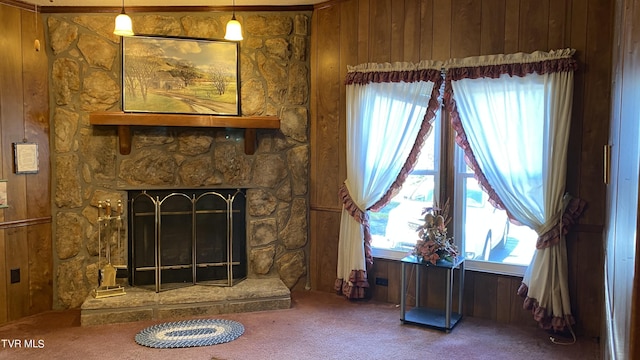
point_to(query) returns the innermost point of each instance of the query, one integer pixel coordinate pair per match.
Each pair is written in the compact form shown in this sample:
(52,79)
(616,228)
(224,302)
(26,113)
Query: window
(394,227)
(483,233)
(504,122)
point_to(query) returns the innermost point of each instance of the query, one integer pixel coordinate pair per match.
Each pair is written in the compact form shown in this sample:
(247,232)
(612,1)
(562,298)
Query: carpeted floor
(317,326)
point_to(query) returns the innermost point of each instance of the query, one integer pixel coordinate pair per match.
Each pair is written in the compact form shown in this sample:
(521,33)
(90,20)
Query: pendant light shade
(234,29)
(123,27)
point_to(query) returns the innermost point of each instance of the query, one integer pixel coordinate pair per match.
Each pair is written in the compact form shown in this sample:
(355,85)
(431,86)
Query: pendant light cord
(233,8)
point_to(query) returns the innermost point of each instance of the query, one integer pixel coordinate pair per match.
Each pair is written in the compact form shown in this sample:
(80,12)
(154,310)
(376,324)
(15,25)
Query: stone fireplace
(87,167)
(181,238)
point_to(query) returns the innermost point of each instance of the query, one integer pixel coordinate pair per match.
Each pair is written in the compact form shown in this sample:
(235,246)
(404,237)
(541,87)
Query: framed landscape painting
(180,75)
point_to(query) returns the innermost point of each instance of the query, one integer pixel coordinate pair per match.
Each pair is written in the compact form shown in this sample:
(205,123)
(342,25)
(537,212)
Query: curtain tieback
(350,205)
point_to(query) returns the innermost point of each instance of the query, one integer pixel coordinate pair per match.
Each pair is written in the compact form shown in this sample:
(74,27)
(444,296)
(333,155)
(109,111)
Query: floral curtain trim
(355,287)
(396,72)
(545,320)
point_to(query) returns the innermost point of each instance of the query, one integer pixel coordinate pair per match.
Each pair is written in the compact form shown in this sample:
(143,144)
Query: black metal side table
(435,318)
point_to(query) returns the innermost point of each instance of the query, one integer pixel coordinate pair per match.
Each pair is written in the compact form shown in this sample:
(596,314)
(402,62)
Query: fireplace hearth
(181,238)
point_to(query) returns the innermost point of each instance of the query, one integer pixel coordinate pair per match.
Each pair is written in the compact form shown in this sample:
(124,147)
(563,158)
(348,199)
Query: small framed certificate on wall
(25,158)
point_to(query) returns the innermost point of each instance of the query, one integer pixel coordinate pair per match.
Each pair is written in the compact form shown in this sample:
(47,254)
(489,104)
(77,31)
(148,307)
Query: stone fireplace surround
(84,69)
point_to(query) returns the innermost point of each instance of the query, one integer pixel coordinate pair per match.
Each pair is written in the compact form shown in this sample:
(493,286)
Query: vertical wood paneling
(17,255)
(363,31)
(557,28)
(11,114)
(314,172)
(597,91)
(380,270)
(315,167)
(328,111)
(38,196)
(441,16)
(397,32)
(393,289)
(503,299)
(40,268)
(465,28)
(511,26)
(578,42)
(380,31)
(327,253)
(426,30)
(493,25)
(4,275)
(534,25)
(588,290)
(36,114)
(484,296)
(411,26)
(468,306)
(23,74)
(348,42)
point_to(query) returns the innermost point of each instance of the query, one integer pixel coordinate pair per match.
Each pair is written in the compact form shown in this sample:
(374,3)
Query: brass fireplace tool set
(107,274)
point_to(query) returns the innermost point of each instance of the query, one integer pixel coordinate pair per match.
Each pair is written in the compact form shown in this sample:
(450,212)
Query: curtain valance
(394,72)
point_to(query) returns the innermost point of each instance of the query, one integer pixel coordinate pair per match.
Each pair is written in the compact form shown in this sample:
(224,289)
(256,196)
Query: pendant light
(123,27)
(234,29)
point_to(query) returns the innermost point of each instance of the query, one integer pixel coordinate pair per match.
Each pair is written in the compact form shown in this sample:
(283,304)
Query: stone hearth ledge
(199,300)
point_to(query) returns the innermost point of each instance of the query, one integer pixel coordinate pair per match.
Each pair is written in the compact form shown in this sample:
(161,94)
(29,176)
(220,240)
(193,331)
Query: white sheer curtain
(512,114)
(385,113)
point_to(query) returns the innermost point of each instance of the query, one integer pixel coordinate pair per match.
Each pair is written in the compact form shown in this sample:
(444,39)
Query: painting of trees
(180,75)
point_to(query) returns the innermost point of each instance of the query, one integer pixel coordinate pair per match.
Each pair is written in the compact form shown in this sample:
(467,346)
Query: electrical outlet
(15,275)
(382,281)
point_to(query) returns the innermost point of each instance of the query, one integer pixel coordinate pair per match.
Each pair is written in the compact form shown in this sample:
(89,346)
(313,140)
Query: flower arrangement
(434,243)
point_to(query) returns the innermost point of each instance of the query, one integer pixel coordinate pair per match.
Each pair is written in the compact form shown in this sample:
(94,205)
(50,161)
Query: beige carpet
(317,326)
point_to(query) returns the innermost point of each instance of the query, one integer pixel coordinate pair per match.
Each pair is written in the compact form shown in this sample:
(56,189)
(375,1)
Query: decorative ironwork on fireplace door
(188,237)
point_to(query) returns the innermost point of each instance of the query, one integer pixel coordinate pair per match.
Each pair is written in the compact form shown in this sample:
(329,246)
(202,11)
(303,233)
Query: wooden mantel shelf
(125,120)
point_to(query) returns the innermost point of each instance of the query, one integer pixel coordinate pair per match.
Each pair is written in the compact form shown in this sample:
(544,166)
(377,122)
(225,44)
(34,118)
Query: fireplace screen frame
(147,203)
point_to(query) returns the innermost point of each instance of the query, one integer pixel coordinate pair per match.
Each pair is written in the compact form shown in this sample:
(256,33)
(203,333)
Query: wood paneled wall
(351,32)
(25,226)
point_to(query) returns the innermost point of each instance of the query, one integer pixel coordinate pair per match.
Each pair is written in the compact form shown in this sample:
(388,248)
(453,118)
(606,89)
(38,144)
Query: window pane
(394,226)
(488,235)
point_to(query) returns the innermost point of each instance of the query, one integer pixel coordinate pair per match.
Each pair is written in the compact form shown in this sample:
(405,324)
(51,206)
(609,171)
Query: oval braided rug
(190,333)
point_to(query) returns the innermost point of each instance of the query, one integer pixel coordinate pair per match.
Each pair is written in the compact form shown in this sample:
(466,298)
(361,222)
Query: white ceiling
(137,3)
